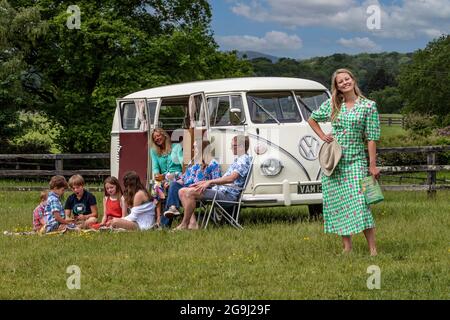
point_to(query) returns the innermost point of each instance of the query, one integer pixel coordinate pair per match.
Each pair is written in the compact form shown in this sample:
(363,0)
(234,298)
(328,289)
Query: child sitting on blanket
(38,213)
(55,218)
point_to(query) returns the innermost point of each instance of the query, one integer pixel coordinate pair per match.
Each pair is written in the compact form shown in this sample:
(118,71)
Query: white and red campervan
(273,112)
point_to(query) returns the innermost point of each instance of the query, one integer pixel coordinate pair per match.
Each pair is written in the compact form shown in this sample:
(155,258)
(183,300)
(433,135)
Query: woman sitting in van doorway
(167,160)
(353,117)
(201,167)
(142,214)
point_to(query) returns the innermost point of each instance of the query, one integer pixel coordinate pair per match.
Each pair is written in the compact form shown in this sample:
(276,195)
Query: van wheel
(315,210)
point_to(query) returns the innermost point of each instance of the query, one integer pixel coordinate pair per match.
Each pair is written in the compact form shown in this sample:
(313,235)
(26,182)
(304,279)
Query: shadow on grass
(276,215)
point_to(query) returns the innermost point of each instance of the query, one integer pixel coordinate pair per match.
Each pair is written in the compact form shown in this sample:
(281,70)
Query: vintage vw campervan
(273,112)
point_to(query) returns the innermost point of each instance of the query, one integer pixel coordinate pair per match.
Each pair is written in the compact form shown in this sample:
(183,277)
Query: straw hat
(329,156)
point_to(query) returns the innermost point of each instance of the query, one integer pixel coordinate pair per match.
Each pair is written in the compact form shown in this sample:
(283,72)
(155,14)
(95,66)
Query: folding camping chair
(216,209)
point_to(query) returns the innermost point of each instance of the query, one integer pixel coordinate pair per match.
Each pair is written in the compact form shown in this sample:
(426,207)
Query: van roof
(231,84)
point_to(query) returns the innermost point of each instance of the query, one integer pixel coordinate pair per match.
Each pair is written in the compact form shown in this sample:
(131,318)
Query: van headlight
(271,167)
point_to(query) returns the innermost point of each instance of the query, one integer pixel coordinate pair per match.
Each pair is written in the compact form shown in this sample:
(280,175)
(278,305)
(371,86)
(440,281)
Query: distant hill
(250,55)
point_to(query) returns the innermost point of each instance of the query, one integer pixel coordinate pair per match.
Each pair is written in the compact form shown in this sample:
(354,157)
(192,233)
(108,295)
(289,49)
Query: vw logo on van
(309,147)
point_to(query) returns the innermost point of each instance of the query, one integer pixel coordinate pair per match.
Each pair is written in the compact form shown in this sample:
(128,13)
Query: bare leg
(125,224)
(347,243)
(158,213)
(193,225)
(90,222)
(188,199)
(370,237)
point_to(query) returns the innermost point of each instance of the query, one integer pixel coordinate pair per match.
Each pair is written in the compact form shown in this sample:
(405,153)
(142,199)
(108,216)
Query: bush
(32,146)
(420,124)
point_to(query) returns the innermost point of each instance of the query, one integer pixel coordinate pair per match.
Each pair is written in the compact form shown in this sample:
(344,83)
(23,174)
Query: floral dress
(344,209)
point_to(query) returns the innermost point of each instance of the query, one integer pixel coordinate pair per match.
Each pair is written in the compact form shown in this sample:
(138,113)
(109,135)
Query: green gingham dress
(344,209)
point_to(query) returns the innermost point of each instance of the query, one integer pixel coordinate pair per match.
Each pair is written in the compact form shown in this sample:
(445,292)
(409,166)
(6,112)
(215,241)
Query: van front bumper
(285,198)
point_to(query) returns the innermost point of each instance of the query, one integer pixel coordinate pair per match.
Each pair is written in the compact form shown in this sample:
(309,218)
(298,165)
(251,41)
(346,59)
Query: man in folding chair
(235,176)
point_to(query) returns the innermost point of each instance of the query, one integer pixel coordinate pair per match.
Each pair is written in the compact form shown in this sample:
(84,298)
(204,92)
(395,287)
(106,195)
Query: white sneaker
(171,212)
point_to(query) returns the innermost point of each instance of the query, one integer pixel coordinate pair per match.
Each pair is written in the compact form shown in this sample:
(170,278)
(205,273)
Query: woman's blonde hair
(336,96)
(167,143)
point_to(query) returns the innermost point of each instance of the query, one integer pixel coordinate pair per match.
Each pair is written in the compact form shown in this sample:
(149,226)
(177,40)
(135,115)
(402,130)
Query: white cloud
(405,20)
(272,42)
(360,44)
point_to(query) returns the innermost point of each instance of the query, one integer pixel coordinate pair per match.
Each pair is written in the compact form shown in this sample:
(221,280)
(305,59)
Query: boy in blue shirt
(82,204)
(55,219)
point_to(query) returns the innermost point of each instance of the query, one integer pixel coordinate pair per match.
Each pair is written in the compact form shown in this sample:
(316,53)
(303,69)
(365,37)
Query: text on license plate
(309,188)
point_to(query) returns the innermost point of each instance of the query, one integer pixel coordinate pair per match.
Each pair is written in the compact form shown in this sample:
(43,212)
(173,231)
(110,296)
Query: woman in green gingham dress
(354,120)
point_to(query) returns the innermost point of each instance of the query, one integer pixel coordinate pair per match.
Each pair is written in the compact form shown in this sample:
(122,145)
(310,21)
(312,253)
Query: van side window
(219,109)
(310,101)
(133,116)
(273,107)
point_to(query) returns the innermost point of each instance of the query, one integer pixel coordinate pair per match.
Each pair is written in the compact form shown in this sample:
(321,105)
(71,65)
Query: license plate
(309,188)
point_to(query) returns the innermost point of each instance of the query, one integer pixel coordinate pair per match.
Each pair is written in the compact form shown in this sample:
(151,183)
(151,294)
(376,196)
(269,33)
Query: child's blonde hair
(76,180)
(43,196)
(57,182)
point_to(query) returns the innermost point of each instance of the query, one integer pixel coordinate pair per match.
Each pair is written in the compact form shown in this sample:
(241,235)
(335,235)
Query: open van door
(198,125)
(135,126)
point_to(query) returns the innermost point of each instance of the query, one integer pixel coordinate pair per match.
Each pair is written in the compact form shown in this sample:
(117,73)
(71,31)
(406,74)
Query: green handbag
(371,190)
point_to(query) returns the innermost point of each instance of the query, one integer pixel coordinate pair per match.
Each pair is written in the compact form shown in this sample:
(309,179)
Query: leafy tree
(370,69)
(19,31)
(425,83)
(379,80)
(120,47)
(388,100)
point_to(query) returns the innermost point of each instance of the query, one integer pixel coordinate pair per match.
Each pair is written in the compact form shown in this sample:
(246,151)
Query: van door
(135,125)
(227,118)
(198,125)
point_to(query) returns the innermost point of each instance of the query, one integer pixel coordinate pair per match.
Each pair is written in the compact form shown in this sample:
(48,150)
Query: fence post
(389,121)
(58,164)
(431,175)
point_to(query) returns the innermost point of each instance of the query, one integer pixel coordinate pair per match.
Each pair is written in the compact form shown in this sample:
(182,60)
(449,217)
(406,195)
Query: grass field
(279,255)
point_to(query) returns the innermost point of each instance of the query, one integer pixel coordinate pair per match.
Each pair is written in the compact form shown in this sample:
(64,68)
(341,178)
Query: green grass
(391,131)
(279,255)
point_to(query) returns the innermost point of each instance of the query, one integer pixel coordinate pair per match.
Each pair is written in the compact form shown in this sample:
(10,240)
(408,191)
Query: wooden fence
(392,121)
(24,160)
(58,167)
(431,168)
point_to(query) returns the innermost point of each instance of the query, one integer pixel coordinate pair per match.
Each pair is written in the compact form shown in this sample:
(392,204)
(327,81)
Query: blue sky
(306,28)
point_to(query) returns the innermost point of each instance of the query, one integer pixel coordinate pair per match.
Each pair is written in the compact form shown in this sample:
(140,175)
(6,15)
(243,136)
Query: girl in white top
(142,215)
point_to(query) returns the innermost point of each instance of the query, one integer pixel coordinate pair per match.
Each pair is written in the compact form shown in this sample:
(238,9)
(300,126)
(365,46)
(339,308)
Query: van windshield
(273,107)
(310,101)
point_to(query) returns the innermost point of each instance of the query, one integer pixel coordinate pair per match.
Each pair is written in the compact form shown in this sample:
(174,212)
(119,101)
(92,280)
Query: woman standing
(354,120)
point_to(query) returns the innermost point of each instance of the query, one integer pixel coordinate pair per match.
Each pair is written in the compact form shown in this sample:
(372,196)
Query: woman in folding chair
(201,167)
(235,175)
